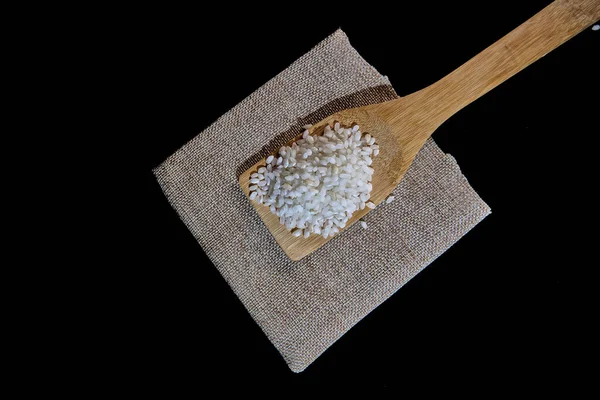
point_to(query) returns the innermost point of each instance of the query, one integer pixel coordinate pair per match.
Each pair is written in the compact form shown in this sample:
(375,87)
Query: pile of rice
(317,183)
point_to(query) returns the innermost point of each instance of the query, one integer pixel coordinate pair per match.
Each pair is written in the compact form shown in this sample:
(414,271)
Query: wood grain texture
(402,126)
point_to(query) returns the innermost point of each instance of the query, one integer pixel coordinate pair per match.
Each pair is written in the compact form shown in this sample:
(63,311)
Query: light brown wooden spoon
(402,126)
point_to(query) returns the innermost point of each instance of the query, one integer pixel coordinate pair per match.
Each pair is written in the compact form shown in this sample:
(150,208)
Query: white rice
(316,184)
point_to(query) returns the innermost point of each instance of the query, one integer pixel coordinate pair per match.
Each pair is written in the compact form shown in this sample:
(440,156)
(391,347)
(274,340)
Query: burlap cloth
(304,307)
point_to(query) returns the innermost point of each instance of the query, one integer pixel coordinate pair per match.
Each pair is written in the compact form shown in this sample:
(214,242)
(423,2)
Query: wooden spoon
(402,126)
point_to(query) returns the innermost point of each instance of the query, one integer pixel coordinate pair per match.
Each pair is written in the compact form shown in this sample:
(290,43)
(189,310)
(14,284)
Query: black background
(494,309)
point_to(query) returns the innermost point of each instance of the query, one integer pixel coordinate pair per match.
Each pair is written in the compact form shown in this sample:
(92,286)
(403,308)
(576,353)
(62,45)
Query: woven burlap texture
(304,307)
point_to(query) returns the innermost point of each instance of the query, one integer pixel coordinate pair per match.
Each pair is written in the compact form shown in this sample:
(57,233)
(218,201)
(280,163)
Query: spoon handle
(536,37)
